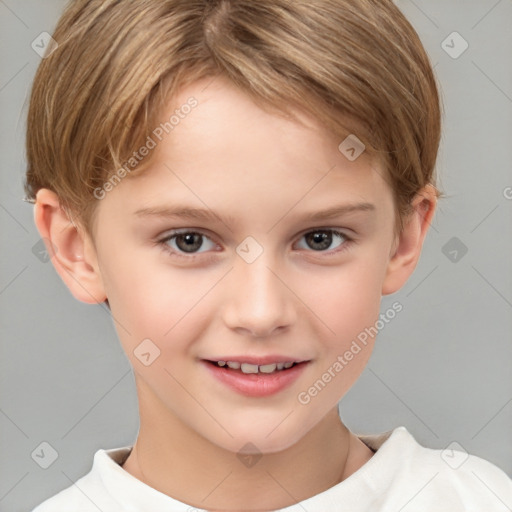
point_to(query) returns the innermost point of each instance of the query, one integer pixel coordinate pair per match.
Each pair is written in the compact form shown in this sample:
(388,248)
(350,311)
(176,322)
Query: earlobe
(69,248)
(410,242)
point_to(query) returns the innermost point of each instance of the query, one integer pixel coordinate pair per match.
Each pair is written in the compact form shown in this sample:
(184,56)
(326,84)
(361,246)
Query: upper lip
(261,360)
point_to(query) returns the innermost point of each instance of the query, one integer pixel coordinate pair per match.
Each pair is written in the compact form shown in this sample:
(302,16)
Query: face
(264,278)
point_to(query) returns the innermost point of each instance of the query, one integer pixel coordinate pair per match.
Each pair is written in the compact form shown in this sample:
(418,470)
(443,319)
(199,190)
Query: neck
(175,460)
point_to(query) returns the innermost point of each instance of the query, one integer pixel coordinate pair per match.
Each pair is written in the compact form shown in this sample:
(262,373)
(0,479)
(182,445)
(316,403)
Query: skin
(297,298)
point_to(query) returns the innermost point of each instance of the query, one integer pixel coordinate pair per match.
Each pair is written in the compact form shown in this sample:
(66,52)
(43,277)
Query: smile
(255,380)
(254,368)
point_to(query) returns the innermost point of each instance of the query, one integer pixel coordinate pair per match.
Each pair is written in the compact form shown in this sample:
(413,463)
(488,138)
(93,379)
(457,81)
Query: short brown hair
(357,66)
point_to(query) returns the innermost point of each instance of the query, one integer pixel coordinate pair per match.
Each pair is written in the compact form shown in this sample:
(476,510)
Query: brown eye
(321,240)
(186,242)
(189,242)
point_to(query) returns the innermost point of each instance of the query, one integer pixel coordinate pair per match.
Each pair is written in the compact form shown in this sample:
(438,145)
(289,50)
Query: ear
(407,247)
(70,249)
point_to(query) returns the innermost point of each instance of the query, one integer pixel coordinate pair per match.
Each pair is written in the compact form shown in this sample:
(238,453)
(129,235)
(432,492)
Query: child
(294,143)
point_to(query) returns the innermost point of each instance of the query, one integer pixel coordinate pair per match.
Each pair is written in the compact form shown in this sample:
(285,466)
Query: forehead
(227,122)
(228,155)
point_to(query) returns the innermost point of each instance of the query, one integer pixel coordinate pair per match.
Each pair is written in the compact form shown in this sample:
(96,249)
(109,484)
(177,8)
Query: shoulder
(451,479)
(89,493)
(79,497)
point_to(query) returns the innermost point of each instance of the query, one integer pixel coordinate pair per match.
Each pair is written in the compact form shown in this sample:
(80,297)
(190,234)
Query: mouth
(248,368)
(256,380)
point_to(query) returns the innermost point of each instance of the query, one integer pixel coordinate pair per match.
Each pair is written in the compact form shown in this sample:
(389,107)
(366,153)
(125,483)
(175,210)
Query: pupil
(191,242)
(324,239)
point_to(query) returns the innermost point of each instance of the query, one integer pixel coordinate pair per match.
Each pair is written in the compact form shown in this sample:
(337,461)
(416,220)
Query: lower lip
(257,384)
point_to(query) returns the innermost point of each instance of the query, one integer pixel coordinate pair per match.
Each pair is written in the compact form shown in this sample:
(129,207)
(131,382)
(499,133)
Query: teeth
(254,368)
(249,368)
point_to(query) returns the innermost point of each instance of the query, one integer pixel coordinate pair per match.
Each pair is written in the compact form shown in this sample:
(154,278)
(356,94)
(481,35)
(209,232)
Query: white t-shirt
(401,476)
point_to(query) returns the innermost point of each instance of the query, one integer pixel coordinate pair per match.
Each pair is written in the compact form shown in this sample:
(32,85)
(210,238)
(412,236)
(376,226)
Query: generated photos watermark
(343,360)
(157,135)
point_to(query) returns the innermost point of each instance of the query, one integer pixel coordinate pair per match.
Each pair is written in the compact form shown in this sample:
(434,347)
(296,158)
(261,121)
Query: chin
(248,438)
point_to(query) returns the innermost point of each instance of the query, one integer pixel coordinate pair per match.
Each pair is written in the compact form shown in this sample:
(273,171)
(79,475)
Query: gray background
(441,367)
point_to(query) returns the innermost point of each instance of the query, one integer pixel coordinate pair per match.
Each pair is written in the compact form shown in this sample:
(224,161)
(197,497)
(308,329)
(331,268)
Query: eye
(185,242)
(321,239)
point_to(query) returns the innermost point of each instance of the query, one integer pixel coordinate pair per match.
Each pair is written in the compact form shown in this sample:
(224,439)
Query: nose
(259,300)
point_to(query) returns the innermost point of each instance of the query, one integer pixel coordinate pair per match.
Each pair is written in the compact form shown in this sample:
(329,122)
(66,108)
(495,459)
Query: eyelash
(191,256)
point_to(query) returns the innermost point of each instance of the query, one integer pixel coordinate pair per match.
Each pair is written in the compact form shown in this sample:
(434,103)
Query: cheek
(157,301)
(347,299)
(348,305)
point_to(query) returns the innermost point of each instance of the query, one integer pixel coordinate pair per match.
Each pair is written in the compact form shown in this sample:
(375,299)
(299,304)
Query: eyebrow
(204,214)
